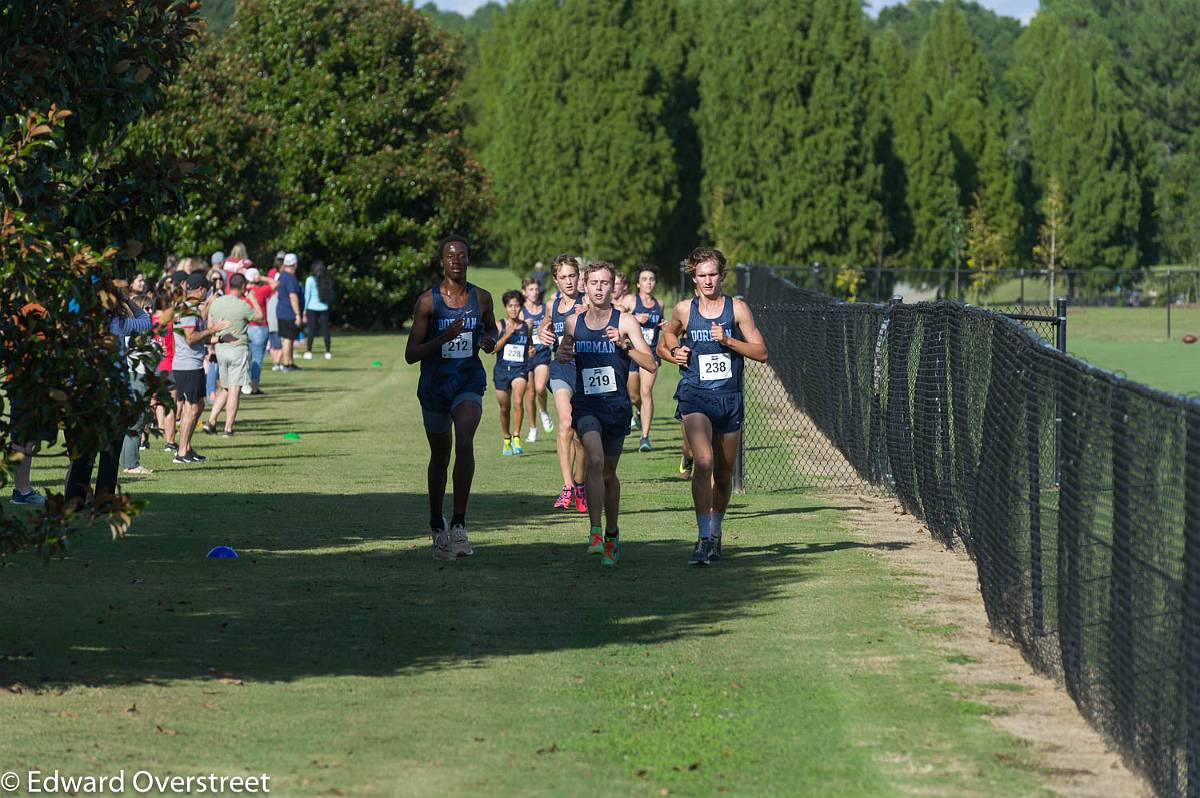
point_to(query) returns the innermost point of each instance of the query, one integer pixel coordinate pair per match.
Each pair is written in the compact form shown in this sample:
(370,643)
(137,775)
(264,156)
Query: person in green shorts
(233,354)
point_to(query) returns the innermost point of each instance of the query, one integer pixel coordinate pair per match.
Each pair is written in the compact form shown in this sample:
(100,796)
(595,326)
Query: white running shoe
(441,543)
(459,545)
(247,390)
(329,355)
(547,424)
(532,436)
(308,355)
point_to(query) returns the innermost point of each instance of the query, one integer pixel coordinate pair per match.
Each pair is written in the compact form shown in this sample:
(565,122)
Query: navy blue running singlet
(711,366)
(456,369)
(601,369)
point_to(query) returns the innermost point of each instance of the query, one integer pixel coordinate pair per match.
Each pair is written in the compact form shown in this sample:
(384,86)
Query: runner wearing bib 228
(708,336)
(603,340)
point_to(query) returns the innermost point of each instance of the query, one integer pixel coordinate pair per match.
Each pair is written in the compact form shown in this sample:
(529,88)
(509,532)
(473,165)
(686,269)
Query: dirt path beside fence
(1071,757)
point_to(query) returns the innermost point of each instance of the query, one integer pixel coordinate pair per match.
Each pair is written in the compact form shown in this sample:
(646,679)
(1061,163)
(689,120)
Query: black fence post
(1170,301)
(1060,323)
(742,275)
(1189,637)
(816,277)
(683,292)
(1021,302)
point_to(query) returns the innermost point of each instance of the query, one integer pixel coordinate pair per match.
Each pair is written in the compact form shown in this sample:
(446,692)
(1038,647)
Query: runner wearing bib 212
(708,337)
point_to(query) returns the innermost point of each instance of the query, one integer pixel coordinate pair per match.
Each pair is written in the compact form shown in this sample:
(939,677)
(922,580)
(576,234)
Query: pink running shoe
(580,499)
(563,502)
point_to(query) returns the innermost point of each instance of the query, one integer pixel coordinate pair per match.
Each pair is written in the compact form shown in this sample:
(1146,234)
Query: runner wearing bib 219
(709,336)
(603,341)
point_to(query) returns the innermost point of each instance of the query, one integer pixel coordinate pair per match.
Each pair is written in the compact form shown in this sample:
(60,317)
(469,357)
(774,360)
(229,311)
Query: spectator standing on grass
(238,260)
(216,288)
(318,296)
(129,319)
(289,310)
(258,333)
(539,276)
(274,345)
(233,354)
(163,316)
(191,346)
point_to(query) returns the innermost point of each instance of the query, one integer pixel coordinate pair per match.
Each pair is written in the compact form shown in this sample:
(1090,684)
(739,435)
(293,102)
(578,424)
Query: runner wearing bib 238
(603,341)
(708,336)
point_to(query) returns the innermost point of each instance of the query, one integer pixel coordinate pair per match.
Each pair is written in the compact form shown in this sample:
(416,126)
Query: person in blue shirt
(318,296)
(708,336)
(289,312)
(451,322)
(602,341)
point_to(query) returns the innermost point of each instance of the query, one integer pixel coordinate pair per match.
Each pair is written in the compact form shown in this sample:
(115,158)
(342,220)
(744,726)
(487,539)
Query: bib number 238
(458,347)
(599,380)
(715,367)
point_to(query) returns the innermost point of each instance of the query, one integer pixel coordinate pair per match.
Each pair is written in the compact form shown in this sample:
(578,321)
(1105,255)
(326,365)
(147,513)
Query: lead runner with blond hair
(708,336)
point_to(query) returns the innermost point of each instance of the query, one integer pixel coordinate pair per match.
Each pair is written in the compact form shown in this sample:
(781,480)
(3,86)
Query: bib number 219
(599,380)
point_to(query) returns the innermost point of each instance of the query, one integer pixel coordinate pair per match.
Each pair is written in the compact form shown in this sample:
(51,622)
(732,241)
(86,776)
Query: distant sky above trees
(1021,9)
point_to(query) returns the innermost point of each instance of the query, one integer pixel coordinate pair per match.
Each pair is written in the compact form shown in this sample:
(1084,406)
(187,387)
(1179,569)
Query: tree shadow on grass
(331,585)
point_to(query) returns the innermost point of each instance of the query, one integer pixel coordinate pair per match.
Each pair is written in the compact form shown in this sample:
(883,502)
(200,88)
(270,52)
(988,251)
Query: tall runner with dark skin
(709,336)
(451,322)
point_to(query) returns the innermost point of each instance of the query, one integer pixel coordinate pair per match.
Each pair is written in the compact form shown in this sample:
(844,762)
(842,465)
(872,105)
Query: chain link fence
(1076,492)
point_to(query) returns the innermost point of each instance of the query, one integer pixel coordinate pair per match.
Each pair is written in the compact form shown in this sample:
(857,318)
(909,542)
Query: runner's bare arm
(505,333)
(566,347)
(752,345)
(545,335)
(671,330)
(488,342)
(639,350)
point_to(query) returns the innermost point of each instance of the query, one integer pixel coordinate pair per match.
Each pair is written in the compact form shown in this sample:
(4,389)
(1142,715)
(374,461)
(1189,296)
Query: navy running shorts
(724,410)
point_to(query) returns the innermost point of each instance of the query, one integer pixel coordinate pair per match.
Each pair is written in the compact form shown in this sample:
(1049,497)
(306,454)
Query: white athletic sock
(703,522)
(715,525)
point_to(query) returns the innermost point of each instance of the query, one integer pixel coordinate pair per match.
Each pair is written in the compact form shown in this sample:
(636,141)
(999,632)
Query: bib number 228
(458,347)
(599,380)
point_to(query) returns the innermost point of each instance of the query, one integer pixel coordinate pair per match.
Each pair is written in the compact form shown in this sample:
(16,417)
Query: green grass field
(1134,343)
(338,657)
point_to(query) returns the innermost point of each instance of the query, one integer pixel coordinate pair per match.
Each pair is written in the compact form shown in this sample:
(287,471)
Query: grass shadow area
(342,592)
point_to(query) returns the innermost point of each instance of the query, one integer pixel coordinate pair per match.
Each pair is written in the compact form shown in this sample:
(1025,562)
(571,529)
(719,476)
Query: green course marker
(376,363)
(291,436)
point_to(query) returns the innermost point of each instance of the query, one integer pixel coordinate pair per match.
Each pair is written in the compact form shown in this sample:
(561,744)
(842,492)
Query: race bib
(458,347)
(715,367)
(599,381)
(648,334)
(514,353)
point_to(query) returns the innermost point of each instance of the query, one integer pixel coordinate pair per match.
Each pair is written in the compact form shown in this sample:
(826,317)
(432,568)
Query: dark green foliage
(1083,134)
(910,21)
(76,200)
(329,129)
(584,131)
(788,131)
(218,14)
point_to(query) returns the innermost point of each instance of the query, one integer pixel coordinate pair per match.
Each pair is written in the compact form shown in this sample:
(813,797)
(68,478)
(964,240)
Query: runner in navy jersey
(514,348)
(603,340)
(451,322)
(649,313)
(533,311)
(708,336)
(565,304)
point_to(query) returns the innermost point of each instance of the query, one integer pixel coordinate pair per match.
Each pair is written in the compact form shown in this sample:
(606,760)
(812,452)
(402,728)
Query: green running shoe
(612,551)
(595,544)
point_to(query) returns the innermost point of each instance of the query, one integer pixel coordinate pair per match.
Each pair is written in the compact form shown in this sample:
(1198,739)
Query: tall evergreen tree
(893,232)
(788,130)
(583,154)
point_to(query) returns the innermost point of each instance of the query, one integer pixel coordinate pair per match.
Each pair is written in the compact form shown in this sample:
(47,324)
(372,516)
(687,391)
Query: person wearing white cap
(258,331)
(289,311)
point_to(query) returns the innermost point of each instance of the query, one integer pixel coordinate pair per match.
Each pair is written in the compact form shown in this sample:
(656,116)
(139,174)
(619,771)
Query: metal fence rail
(1076,492)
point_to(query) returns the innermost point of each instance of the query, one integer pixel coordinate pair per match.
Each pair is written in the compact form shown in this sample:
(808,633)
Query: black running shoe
(170,447)
(180,459)
(702,554)
(195,457)
(714,555)
(209,429)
